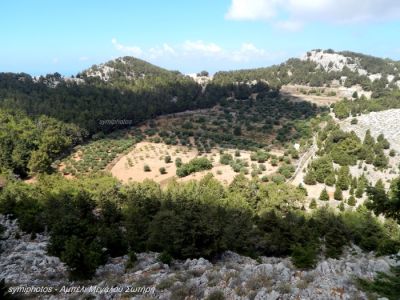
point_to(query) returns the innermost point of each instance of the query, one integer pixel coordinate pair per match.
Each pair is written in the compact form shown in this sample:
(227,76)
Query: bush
(216,295)
(178,162)
(146,168)
(195,165)
(277,178)
(237,131)
(309,179)
(132,259)
(330,180)
(385,284)
(351,201)
(261,156)
(313,204)
(167,159)
(338,194)
(225,159)
(324,195)
(286,170)
(82,257)
(304,256)
(165,258)
(163,170)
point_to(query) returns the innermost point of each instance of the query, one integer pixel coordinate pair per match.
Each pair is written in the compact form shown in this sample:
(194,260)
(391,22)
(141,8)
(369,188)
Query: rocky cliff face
(332,61)
(24,262)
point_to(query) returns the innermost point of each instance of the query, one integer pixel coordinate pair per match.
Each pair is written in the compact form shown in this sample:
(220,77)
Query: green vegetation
(387,204)
(125,101)
(225,158)
(193,219)
(195,165)
(324,195)
(362,105)
(96,155)
(260,121)
(306,72)
(346,149)
(94,217)
(29,145)
(386,285)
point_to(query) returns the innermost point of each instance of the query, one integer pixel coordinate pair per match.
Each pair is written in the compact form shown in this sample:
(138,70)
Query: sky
(68,36)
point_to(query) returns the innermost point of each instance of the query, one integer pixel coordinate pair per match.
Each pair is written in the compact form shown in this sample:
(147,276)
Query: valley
(267,183)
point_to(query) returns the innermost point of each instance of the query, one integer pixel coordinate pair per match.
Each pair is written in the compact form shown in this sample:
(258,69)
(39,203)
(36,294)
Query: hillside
(232,187)
(125,68)
(326,68)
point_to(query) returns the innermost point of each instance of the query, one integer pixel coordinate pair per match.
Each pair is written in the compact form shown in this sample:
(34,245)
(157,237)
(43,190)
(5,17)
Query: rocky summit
(24,262)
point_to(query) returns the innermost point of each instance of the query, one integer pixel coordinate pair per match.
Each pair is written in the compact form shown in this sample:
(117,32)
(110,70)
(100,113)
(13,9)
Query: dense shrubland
(347,108)
(241,124)
(96,155)
(89,105)
(337,151)
(305,72)
(95,217)
(346,148)
(195,165)
(77,111)
(386,204)
(31,144)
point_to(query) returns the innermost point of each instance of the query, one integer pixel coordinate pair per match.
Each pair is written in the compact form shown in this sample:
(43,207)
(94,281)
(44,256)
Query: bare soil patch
(131,166)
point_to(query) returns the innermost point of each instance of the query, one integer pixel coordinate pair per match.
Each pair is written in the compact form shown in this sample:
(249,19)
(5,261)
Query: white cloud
(290,14)
(131,50)
(251,9)
(201,47)
(83,58)
(199,51)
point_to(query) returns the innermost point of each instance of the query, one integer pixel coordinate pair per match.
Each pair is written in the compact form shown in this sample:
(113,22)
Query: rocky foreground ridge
(24,262)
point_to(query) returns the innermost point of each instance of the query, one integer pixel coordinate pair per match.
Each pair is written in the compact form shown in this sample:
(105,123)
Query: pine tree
(369,140)
(344,178)
(324,195)
(310,179)
(354,183)
(359,191)
(313,204)
(351,201)
(380,161)
(338,195)
(330,180)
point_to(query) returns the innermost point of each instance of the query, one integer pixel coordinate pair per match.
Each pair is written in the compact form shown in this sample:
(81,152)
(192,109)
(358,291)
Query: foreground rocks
(24,262)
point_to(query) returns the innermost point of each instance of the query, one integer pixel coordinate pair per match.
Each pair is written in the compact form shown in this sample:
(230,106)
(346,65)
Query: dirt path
(303,161)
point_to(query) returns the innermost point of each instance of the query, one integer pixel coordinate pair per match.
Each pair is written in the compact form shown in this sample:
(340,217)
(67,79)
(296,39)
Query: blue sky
(44,36)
